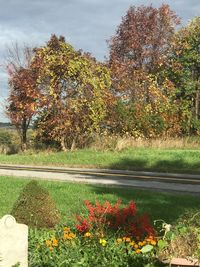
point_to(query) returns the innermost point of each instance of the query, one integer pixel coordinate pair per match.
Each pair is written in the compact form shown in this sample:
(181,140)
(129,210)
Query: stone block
(13,242)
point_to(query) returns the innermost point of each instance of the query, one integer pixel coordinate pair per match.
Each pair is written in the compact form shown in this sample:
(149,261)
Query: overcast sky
(86,24)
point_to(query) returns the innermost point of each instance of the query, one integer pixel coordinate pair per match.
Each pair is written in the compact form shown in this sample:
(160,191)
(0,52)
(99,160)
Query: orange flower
(66,229)
(69,236)
(137,251)
(54,242)
(65,236)
(126,239)
(153,242)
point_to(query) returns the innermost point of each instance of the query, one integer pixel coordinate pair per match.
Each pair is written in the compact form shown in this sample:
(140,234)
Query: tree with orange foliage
(23,95)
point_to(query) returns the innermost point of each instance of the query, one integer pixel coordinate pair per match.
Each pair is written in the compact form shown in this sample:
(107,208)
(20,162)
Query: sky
(86,24)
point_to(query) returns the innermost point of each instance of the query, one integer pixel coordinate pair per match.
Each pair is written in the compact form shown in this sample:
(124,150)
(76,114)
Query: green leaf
(146,248)
(183,230)
(162,244)
(170,235)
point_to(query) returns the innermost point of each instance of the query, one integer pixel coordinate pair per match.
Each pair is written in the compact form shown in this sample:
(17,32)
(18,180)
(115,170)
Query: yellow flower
(140,244)
(119,240)
(100,234)
(88,234)
(132,243)
(48,243)
(102,242)
(51,248)
(72,235)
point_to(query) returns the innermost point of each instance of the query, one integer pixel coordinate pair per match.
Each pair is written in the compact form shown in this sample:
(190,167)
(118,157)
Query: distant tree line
(149,87)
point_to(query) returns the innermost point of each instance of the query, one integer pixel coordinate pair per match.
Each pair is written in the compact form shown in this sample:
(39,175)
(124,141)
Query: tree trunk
(197,105)
(24,136)
(73,144)
(62,143)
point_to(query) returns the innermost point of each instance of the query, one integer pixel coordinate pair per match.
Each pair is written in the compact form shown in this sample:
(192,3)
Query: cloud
(86,24)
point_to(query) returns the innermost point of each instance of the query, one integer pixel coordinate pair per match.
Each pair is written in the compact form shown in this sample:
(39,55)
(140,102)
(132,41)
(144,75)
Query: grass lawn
(149,159)
(69,198)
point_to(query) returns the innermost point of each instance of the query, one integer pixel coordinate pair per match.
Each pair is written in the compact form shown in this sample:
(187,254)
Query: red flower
(112,216)
(84,226)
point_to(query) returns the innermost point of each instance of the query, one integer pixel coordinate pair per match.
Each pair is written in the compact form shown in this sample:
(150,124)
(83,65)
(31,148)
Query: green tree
(185,64)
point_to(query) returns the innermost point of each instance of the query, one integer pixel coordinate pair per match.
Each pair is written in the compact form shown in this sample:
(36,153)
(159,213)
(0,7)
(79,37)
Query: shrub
(5,138)
(8,142)
(112,217)
(35,207)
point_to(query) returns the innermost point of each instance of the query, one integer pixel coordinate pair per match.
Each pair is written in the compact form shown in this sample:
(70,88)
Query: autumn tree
(139,47)
(74,87)
(23,93)
(138,58)
(184,67)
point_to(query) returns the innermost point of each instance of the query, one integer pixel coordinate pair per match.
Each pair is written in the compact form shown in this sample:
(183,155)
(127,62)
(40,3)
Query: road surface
(146,180)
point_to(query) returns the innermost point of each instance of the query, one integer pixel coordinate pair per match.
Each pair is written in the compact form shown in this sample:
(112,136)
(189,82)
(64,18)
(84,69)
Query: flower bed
(107,235)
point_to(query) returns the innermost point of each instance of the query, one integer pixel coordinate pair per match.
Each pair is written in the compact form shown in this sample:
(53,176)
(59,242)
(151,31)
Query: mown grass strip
(146,159)
(69,198)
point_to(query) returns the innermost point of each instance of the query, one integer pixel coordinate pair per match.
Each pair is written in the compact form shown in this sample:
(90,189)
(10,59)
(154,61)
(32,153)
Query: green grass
(69,198)
(149,159)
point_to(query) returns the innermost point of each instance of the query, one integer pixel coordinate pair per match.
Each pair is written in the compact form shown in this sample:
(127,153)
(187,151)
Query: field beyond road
(140,159)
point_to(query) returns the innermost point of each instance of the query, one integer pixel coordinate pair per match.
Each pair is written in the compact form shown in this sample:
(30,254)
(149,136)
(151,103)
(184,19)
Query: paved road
(146,180)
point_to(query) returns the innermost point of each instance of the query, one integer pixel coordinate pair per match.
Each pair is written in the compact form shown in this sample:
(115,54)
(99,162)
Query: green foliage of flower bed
(181,240)
(107,236)
(85,251)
